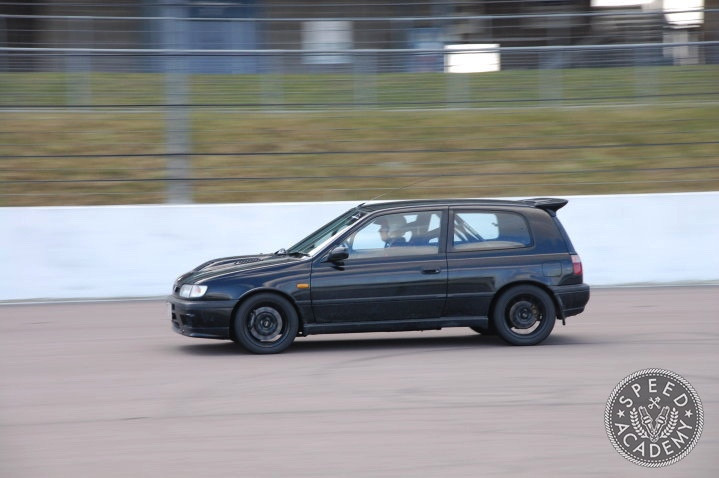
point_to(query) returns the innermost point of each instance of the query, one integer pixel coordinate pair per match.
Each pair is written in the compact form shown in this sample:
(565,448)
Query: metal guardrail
(358,51)
(403,18)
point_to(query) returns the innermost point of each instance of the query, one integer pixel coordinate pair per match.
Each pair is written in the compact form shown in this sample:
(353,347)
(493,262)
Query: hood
(231,265)
(225,262)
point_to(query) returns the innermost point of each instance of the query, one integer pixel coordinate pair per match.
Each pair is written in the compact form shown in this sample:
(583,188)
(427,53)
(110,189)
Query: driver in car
(392,229)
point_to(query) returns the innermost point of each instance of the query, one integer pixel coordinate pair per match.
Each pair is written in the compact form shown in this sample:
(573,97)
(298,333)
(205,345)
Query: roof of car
(549,204)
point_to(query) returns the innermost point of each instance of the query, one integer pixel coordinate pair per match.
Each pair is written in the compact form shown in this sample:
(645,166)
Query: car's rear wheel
(266,324)
(524,315)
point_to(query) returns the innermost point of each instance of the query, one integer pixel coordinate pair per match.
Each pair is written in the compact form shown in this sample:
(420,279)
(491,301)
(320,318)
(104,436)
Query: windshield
(311,244)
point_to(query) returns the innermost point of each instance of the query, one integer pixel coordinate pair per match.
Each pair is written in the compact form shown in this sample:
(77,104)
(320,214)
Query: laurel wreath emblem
(654,428)
(672,424)
(636,424)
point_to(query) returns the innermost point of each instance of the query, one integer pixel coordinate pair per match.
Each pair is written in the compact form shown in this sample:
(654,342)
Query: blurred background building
(367,25)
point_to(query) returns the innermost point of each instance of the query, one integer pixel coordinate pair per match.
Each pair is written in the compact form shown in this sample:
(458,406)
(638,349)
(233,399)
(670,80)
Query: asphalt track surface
(108,390)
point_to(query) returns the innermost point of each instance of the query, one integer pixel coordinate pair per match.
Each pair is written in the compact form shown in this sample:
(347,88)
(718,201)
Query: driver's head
(391,227)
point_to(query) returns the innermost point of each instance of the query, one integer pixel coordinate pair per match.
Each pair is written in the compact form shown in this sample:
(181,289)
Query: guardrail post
(365,79)
(271,78)
(78,66)
(551,91)
(177,118)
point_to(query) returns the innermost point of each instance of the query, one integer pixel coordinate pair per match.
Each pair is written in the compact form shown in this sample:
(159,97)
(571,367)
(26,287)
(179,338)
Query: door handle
(430,271)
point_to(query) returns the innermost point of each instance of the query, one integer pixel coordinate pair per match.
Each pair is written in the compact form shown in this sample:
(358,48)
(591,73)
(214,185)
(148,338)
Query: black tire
(524,315)
(266,323)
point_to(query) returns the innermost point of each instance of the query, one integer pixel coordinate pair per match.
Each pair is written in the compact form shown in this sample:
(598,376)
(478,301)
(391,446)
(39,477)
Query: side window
(489,230)
(397,235)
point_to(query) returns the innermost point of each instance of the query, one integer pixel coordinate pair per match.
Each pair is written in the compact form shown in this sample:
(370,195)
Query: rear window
(485,230)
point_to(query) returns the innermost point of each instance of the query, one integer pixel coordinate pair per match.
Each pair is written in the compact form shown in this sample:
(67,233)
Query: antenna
(400,189)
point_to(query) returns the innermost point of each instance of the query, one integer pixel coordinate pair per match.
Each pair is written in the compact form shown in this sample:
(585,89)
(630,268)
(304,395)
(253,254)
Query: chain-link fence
(143,102)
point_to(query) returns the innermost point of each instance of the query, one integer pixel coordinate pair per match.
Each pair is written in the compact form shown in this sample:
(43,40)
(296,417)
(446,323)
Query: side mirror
(338,254)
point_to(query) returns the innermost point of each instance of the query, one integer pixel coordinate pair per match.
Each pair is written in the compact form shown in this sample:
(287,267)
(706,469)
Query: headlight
(192,291)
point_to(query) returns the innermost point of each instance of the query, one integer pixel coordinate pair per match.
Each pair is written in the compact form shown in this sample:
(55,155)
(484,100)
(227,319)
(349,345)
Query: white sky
(618,3)
(691,18)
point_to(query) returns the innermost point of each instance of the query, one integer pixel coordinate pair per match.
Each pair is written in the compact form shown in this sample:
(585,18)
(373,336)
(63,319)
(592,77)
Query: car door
(396,270)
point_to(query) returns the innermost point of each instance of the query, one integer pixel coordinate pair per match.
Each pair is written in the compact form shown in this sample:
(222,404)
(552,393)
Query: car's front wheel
(524,315)
(266,324)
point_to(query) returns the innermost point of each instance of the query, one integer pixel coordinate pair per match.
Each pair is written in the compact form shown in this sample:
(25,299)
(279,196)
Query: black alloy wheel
(266,324)
(524,315)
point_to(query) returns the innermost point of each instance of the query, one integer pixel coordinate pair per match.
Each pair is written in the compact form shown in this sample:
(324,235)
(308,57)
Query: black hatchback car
(504,267)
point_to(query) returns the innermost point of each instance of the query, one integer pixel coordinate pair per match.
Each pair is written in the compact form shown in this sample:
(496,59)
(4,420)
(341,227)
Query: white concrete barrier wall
(138,251)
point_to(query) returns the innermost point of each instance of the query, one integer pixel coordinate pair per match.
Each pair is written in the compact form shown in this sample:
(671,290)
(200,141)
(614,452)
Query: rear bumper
(203,319)
(571,298)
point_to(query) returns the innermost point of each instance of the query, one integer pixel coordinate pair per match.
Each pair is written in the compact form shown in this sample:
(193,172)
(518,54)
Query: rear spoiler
(551,205)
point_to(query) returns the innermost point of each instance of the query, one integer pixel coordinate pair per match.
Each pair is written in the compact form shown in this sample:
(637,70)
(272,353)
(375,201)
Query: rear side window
(485,230)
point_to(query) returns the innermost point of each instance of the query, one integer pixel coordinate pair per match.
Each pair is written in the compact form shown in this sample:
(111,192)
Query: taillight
(576,265)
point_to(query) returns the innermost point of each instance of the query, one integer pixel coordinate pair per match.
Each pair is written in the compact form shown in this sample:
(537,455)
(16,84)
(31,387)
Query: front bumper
(209,319)
(572,299)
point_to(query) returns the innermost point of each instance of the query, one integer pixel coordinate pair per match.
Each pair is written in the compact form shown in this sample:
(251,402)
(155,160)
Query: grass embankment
(258,151)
